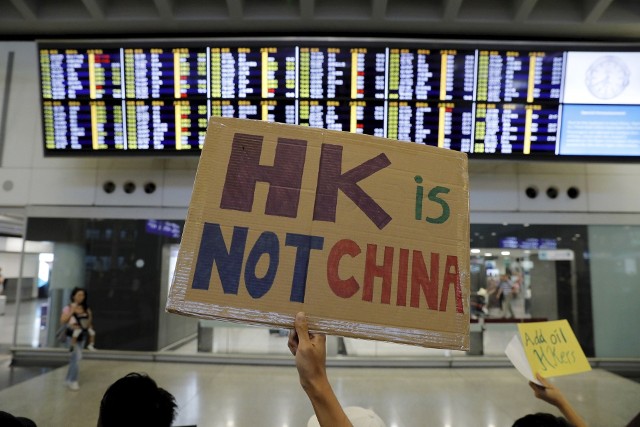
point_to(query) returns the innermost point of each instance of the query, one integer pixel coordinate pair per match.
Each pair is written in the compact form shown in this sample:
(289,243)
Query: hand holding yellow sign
(552,348)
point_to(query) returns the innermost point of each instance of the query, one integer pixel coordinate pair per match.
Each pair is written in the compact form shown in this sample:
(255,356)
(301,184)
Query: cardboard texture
(368,236)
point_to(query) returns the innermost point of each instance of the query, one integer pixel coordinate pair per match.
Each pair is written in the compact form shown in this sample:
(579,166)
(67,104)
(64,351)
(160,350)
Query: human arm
(67,313)
(551,394)
(310,352)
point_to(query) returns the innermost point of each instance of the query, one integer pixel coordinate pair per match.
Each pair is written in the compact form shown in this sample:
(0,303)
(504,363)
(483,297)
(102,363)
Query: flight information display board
(76,74)
(441,124)
(427,75)
(83,126)
(511,76)
(495,100)
(515,128)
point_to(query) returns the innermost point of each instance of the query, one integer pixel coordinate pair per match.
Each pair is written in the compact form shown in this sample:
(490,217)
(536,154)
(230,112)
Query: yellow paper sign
(552,348)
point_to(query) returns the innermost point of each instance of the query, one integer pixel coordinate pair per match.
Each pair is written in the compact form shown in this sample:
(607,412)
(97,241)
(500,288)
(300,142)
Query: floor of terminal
(238,396)
(227,395)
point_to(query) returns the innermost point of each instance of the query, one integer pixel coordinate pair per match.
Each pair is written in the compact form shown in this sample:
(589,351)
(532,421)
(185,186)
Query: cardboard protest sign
(368,236)
(550,348)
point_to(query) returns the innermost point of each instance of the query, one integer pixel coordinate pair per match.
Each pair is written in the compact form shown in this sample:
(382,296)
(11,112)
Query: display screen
(489,100)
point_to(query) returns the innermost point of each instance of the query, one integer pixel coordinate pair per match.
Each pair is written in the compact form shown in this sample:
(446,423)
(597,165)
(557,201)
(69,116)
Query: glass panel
(126,268)
(120,265)
(12,288)
(548,268)
(615,261)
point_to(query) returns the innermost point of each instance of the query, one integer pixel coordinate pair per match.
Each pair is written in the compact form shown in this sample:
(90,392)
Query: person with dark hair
(8,420)
(1,282)
(81,320)
(541,419)
(135,400)
(551,394)
(78,318)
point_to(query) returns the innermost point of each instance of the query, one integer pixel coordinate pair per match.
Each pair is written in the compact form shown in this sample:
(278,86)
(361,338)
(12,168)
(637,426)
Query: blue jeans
(76,357)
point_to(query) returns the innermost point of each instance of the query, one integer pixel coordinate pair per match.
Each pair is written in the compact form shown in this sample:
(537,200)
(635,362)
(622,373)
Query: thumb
(302,329)
(542,380)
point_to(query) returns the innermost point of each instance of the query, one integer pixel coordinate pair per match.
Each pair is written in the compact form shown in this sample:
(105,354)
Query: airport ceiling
(591,20)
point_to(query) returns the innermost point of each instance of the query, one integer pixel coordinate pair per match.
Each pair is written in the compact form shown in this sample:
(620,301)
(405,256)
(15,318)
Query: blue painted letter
(213,250)
(267,243)
(304,244)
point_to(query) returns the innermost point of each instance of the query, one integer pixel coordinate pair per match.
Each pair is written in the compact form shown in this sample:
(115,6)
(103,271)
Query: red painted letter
(372,270)
(348,287)
(420,279)
(451,277)
(403,268)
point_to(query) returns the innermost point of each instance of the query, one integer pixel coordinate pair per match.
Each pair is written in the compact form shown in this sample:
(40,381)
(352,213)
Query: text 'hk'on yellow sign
(552,348)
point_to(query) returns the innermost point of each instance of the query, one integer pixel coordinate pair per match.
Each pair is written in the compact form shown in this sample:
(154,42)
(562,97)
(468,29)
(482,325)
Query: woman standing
(1,282)
(78,318)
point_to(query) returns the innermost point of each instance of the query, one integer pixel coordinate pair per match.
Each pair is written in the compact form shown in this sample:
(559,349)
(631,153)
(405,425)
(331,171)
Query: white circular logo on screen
(607,77)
